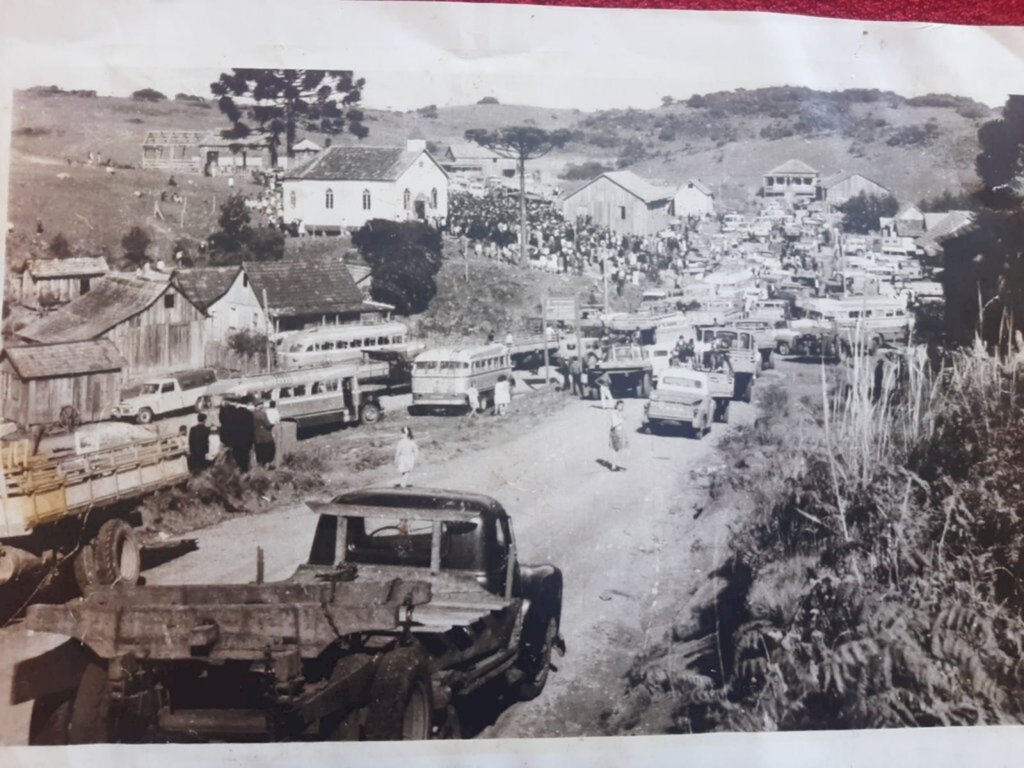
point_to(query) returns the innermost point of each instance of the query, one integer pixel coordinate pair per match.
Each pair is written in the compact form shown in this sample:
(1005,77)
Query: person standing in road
(263,434)
(198,445)
(502,396)
(406,453)
(576,376)
(473,399)
(604,383)
(617,436)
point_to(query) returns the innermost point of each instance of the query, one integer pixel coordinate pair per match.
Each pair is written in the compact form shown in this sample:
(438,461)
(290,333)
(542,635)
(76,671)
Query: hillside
(917,147)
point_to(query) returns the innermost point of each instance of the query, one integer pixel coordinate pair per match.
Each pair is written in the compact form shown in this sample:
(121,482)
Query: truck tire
(537,664)
(783,348)
(89,721)
(369,413)
(145,416)
(401,698)
(117,554)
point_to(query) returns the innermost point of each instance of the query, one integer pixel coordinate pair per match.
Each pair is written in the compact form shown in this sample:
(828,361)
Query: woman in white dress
(406,453)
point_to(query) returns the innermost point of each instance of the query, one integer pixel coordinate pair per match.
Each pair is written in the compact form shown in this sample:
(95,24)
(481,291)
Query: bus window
(286,392)
(300,390)
(332,385)
(382,341)
(318,387)
(342,345)
(328,345)
(356,343)
(396,339)
(426,365)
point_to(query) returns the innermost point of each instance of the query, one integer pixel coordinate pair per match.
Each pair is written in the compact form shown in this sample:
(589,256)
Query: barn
(147,317)
(837,189)
(38,382)
(621,201)
(47,283)
(205,151)
(227,297)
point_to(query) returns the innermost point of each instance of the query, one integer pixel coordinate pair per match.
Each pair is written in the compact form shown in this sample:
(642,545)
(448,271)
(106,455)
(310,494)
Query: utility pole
(604,274)
(267,313)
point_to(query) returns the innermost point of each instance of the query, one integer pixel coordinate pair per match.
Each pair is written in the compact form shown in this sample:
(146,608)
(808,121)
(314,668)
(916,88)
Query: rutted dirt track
(629,543)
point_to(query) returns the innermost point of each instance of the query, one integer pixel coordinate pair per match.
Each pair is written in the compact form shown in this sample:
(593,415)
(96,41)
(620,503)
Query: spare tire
(401,698)
(117,554)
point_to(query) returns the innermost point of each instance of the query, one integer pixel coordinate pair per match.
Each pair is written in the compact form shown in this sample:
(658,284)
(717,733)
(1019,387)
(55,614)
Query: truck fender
(542,586)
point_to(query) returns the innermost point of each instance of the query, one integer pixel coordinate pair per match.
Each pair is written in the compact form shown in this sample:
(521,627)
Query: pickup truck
(169,394)
(411,599)
(682,398)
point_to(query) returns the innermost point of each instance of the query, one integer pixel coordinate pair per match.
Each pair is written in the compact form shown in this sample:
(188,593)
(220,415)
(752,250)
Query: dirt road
(624,541)
(627,542)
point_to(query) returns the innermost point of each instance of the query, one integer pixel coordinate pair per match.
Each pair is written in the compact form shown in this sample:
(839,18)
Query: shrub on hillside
(148,94)
(914,135)
(583,171)
(488,100)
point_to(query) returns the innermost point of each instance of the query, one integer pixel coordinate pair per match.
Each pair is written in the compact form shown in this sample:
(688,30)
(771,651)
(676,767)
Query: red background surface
(944,11)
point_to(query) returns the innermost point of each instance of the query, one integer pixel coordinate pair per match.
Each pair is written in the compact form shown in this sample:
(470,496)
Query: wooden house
(794,179)
(471,159)
(694,198)
(39,381)
(227,297)
(147,317)
(204,151)
(623,202)
(307,292)
(47,283)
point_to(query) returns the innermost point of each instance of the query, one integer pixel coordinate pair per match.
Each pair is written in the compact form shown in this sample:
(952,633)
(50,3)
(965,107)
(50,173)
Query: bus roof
(264,381)
(463,354)
(346,331)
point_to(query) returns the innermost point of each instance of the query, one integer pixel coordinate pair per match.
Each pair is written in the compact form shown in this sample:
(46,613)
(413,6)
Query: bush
(583,171)
(148,94)
(135,245)
(59,247)
(248,343)
(914,135)
(488,100)
(189,98)
(429,111)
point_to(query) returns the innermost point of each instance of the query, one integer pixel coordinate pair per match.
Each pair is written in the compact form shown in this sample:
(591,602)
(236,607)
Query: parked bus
(342,393)
(440,377)
(339,343)
(875,320)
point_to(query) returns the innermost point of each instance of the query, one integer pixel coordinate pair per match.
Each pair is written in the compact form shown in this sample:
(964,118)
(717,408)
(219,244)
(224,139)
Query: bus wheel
(369,413)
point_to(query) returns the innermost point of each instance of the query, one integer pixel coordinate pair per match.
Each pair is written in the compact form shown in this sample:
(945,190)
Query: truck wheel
(783,348)
(117,555)
(369,413)
(696,431)
(89,721)
(538,663)
(145,416)
(401,698)
(451,728)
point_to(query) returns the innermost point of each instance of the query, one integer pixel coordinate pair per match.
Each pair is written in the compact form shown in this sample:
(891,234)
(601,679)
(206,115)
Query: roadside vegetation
(877,581)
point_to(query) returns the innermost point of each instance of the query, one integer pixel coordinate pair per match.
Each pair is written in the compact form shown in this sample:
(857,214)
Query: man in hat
(263,435)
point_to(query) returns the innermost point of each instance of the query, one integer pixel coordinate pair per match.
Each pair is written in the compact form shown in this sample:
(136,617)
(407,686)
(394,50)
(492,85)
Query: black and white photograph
(433,371)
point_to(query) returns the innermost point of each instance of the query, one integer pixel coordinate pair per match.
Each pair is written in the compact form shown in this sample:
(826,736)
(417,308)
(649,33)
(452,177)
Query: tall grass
(883,583)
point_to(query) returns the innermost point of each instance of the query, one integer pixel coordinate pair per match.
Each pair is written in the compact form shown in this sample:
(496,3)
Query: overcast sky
(413,54)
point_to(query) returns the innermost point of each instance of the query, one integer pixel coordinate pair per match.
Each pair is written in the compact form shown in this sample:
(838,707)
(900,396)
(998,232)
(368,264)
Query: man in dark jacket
(263,434)
(198,445)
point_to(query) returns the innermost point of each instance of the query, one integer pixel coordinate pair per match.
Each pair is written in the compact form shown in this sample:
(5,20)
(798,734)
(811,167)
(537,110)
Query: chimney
(415,145)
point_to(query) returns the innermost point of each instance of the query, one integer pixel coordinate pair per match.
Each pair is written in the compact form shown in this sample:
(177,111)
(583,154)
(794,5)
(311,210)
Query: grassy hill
(918,147)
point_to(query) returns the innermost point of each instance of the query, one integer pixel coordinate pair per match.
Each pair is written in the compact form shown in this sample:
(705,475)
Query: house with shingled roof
(622,201)
(344,187)
(842,186)
(228,298)
(39,381)
(694,198)
(471,159)
(793,179)
(154,326)
(48,283)
(307,292)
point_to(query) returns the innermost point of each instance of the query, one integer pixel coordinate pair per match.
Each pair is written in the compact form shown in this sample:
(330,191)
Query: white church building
(344,187)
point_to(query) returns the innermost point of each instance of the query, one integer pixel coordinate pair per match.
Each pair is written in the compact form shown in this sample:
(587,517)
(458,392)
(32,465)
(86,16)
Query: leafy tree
(861,213)
(59,247)
(280,101)
(234,229)
(1000,164)
(135,245)
(404,258)
(488,100)
(633,152)
(265,244)
(667,101)
(148,94)
(247,343)
(521,143)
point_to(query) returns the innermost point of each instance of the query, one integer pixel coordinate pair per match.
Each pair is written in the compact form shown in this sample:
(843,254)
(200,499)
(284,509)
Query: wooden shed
(38,381)
(623,202)
(147,317)
(48,283)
